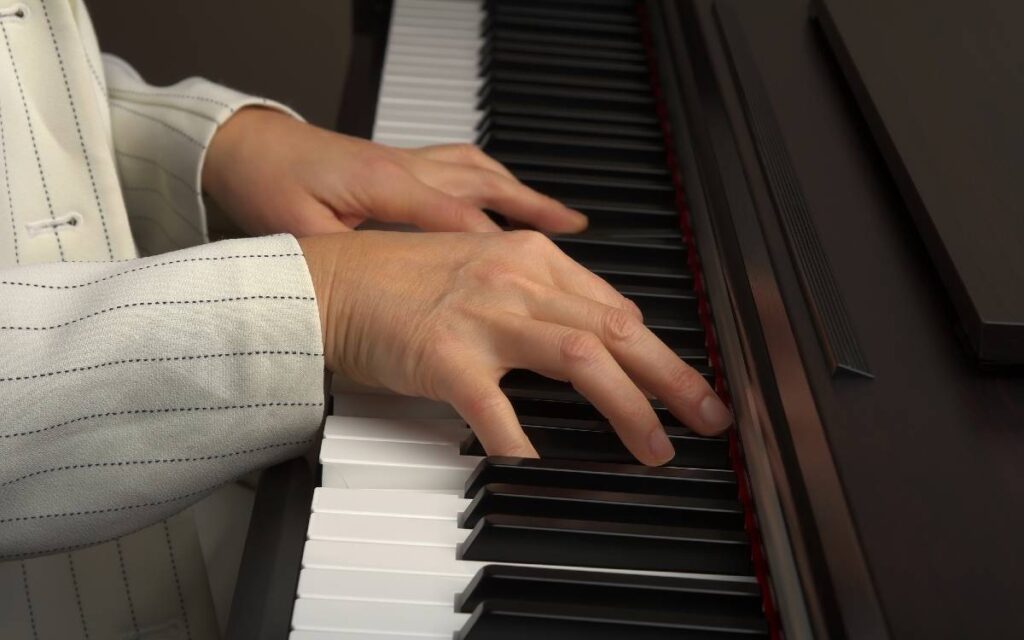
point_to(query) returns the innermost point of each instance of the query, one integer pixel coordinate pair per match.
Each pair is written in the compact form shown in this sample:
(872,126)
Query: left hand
(272,173)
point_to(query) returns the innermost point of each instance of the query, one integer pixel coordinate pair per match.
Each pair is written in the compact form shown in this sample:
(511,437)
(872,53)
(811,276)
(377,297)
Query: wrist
(320,254)
(227,147)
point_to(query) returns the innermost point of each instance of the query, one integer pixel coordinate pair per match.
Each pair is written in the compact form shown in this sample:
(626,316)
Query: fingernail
(582,221)
(661,449)
(715,414)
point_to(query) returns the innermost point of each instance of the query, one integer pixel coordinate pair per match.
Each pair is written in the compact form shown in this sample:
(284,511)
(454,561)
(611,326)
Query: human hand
(272,173)
(446,315)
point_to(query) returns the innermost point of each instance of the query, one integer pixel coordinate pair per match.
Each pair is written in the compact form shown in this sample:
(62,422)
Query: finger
(581,358)
(413,202)
(467,154)
(481,403)
(513,199)
(651,363)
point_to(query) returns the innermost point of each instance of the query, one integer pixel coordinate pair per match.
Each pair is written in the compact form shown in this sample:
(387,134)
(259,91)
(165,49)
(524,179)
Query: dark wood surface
(941,85)
(929,452)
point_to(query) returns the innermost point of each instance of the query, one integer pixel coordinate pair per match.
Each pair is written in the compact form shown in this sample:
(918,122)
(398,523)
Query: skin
(446,315)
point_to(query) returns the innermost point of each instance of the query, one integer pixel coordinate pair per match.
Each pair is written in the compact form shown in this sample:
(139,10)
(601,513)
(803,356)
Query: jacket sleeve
(129,390)
(160,136)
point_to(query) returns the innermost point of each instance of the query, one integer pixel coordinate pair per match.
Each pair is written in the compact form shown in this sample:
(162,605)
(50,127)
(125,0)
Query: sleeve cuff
(161,135)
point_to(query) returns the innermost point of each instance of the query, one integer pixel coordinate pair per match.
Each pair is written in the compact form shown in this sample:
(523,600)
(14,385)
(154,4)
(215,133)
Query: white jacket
(129,388)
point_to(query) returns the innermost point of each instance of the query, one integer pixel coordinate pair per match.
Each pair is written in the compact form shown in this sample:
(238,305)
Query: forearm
(129,390)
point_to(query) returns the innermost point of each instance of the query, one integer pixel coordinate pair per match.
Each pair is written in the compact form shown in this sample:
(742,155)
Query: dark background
(294,52)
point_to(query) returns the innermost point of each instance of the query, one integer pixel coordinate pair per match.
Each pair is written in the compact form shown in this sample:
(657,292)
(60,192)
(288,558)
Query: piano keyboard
(414,533)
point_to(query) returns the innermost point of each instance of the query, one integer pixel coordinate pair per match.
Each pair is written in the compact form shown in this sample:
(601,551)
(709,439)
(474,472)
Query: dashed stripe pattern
(163,263)
(7,186)
(78,130)
(167,410)
(32,136)
(153,303)
(136,463)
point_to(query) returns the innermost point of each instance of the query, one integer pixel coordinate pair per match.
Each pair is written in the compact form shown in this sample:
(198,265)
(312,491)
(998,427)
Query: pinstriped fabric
(7,187)
(132,388)
(32,134)
(215,384)
(86,155)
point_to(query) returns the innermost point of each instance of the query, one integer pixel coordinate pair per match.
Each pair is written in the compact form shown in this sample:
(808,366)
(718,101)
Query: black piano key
(576,474)
(597,167)
(638,255)
(569,150)
(563,185)
(566,78)
(556,48)
(519,98)
(584,127)
(619,280)
(576,407)
(620,13)
(634,74)
(525,381)
(603,506)
(662,307)
(710,483)
(597,6)
(631,215)
(738,600)
(627,32)
(546,389)
(630,224)
(610,545)
(599,443)
(581,43)
(515,620)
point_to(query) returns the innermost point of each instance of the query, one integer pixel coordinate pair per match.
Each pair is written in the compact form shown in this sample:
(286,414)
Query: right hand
(446,315)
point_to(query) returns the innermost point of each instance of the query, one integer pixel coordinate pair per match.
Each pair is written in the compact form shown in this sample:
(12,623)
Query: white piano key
(390,406)
(386,502)
(420,129)
(339,584)
(348,527)
(364,635)
(440,33)
(422,68)
(444,430)
(389,558)
(345,615)
(433,51)
(470,47)
(432,60)
(406,113)
(467,23)
(412,142)
(400,91)
(366,464)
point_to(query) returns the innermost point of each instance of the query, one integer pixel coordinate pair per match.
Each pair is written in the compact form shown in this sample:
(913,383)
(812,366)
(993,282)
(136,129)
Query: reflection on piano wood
(414,533)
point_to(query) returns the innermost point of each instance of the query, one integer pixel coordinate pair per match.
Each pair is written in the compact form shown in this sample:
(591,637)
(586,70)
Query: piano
(765,180)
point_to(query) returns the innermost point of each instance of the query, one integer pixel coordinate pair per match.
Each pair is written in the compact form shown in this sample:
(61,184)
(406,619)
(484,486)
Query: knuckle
(621,325)
(531,241)
(684,381)
(469,151)
(497,274)
(379,167)
(483,403)
(633,309)
(580,348)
